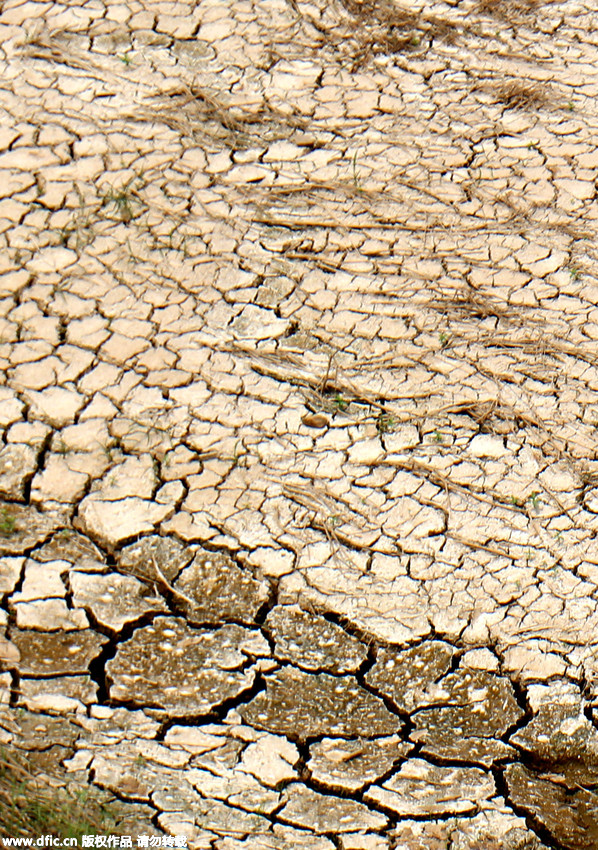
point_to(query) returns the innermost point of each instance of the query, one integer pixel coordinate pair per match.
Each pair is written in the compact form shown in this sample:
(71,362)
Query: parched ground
(299,472)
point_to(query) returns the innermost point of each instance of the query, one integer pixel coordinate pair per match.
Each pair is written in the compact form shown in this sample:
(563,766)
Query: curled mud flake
(312,642)
(68,545)
(421,788)
(18,464)
(353,764)
(114,600)
(560,736)
(111,523)
(271,759)
(300,705)
(50,615)
(236,788)
(169,554)
(565,809)
(169,666)
(219,591)
(408,677)
(58,694)
(324,814)
(10,571)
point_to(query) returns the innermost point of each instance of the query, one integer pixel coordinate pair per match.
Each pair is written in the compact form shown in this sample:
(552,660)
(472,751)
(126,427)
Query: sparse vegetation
(386,423)
(340,403)
(28,808)
(7,522)
(520,94)
(125,202)
(535,500)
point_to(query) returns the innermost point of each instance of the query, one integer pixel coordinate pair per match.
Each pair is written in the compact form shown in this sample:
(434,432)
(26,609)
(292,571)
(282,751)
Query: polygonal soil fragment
(489,830)
(313,643)
(17,464)
(421,788)
(37,732)
(286,837)
(114,725)
(57,694)
(111,523)
(67,545)
(353,764)
(10,572)
(9,654)
(22,528)
(113,599)
(166,553)
(568,813)
(172,667)
(56,653)
(560,734)
(235,787)
(270,759)
(479,705)
(444,743)
(221,759)
(219,591)
(50,615)
(226,820)
(302,705)
(321,813)
(41,581)
(136,778)
(408,676)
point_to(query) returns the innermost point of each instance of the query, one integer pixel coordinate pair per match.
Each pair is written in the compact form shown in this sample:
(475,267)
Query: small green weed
(7,523)
(125,59)
(340,403)
(386,423)
(438,436)
(443,339)
(534,498)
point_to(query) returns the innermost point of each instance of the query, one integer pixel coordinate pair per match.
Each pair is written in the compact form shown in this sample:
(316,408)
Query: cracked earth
(299,470)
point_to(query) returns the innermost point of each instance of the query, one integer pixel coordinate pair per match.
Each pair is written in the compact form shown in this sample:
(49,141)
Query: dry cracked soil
(299,399)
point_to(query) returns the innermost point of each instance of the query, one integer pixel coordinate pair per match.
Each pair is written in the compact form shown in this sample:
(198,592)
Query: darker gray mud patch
(568,812)
(303,705)
(312,642)
(409,743)
(170,666)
